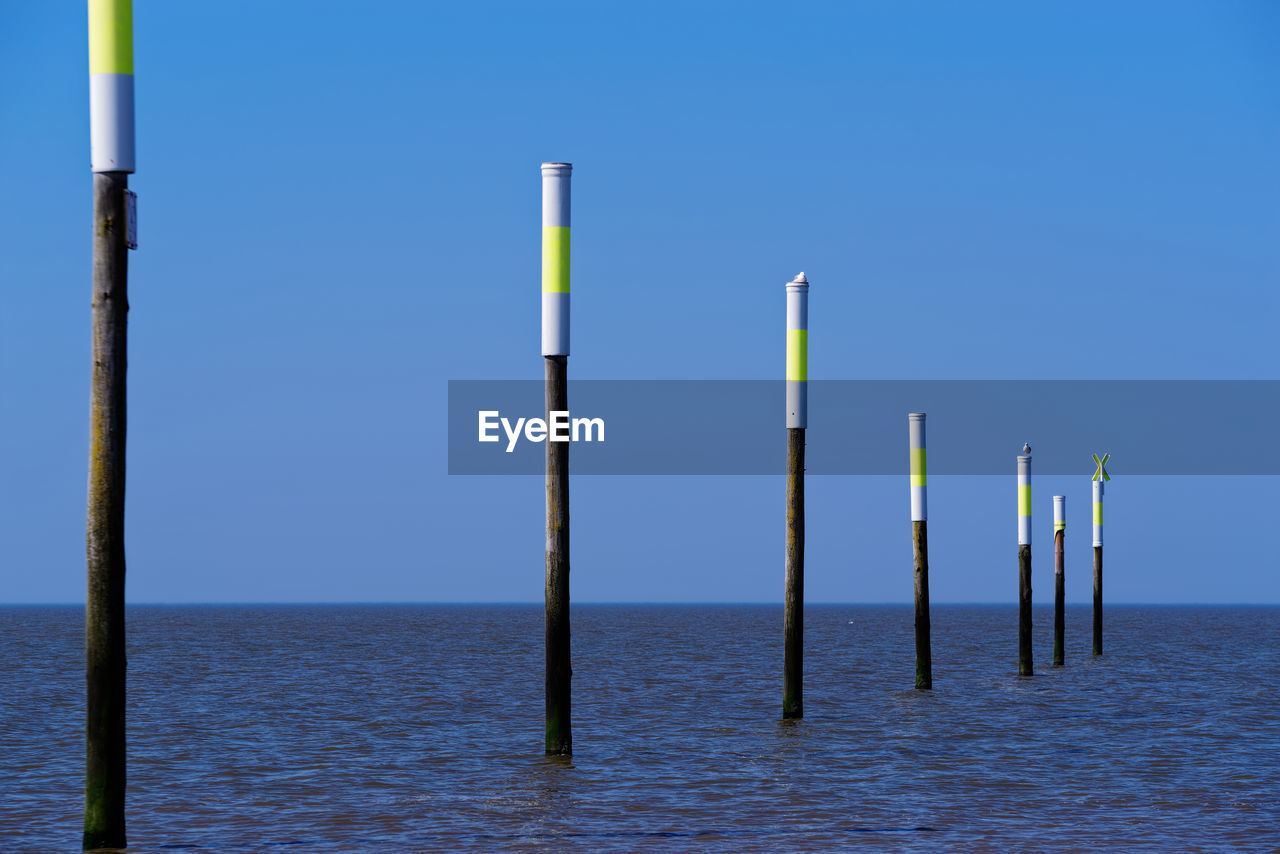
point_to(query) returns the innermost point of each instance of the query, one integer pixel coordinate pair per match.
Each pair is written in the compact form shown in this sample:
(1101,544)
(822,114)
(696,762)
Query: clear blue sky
(339,212)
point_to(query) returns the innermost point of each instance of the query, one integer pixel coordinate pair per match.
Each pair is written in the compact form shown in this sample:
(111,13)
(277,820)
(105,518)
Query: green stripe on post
(555,259)
(110,36)
(919,473)
(798,355)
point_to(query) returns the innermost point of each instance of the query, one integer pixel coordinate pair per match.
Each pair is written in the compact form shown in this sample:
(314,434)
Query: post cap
(915,416)
(1024,458)
(553,168)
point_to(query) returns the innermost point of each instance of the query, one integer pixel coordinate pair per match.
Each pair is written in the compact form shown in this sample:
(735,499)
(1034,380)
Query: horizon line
(534,603)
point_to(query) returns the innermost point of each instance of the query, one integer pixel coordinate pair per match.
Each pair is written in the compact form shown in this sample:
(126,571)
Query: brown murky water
(418,728)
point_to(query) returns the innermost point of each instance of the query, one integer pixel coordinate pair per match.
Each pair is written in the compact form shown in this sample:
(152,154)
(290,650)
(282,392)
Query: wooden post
(1100,476)
(559,669)
(555,350)
(112,159)
(793,609)
(1059,586)
(1097,600)
(1024,563)
(797,423)
(920,546)
(104,603)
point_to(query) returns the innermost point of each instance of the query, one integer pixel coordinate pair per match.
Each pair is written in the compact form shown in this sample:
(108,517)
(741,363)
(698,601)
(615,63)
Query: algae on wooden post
(559,673)
(1024,611)
(1097,600)
(793,608)
(104,824)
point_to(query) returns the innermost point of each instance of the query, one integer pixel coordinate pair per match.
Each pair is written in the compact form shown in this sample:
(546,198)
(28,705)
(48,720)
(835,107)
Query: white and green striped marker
(798,352)
(555,258)
(1059,514)
(111,147)
(1024,499)
(915,431)
(1099,477)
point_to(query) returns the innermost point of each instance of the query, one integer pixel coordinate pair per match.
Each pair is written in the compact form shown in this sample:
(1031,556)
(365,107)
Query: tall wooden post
(1059,584)
(555,350)
(1024,563)
(920,546)
(112,159)
(1099,477)
(797,423)
(1097,600)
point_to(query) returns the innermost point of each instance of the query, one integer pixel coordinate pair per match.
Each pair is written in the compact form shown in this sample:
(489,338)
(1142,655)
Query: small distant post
(111,155)
(1059,535)
(1024,562)
(797,422)
(555,349)
(920,547)
(1099,477)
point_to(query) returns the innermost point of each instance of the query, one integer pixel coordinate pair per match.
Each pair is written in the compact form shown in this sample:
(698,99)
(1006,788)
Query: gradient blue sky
(339,212)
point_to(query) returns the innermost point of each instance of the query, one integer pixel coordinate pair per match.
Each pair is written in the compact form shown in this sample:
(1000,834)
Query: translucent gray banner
(860,426)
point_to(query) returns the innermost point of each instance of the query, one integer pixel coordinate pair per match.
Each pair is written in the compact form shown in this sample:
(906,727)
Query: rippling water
(418,728)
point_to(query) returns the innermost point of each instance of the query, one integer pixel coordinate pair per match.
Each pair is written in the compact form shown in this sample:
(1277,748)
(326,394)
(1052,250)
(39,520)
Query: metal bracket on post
(131,219)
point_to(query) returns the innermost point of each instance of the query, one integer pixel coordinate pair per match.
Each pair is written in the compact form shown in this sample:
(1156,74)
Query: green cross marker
(1102,471)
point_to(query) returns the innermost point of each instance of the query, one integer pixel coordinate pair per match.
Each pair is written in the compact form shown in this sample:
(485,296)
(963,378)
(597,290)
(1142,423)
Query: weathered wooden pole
(1059,585)
(797,422)
(920,546)
(555,350)
(1099,477)
(111,160)
(1024,562)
